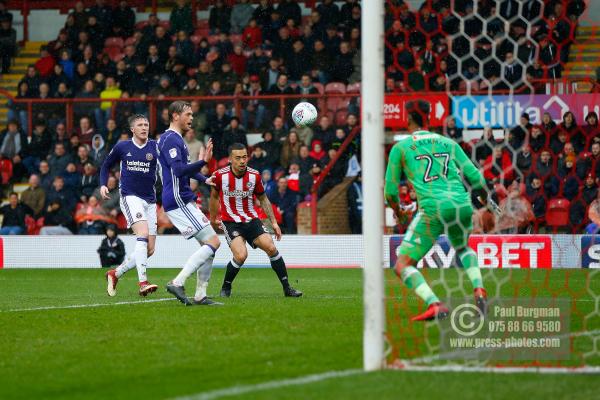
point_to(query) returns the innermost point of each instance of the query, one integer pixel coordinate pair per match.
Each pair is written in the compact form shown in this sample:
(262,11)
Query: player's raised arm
(392,178)
(175,161)
(108,163)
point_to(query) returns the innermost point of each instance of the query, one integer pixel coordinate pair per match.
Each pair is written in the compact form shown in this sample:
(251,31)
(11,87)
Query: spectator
(123,20)
(240,16)
(45,177)
(72,178)
(262,13)
(14,214)
(258,159)
(181,17)
(32,78)
(216,128)
(8,43)
(355,205)
(538,139)
(517,135)
(89,182)
(524,161)
(324,132)
(103,14)
(317,152)
(289,9)
(286,202)
(85,132)
(112,91)
(306,87)
(270,75)
(162,42)
(304,160)
(57,77)
(81,75)
(321,62)
(272,149)
(254,109)
(57,220)
(336,174)
(38,147)
(238,60)
(517,213)
(342,66)
(112,249)
(219,18)
(590,189)
(194,146)
(558,141)
(91,218)
(296,61)
(536,196)
(252,36)
(45,64)
(86,108)
(34,196)
(290,149)
(484,147)
(233,133)
(13,141)
(185,48)
(591,129)
(17,112)
(59,160)
(513,71)
(498,167)
(199,123)
(594,216)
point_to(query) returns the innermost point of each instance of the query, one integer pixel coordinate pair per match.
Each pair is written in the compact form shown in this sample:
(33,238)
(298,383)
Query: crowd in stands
(8,38)
(103,53)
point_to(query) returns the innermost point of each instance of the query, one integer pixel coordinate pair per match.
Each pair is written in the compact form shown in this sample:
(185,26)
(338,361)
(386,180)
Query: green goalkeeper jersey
(433,165)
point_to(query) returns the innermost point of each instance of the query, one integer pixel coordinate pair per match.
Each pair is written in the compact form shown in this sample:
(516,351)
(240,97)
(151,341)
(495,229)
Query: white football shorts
(190,220)
(137,209)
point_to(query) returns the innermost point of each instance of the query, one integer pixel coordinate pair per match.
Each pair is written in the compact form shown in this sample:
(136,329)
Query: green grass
(164,350)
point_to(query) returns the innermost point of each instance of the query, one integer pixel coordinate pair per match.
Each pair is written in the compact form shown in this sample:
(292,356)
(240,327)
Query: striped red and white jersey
(236,194)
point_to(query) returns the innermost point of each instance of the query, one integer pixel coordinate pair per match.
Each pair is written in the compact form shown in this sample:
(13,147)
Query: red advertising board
(394,112)
(512,251)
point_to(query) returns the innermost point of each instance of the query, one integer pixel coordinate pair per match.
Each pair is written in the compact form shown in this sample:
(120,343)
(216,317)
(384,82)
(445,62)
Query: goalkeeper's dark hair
(418,111)
(177,107)
(236,146)
(131,120)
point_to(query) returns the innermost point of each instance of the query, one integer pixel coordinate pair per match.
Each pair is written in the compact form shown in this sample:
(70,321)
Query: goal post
(372,167)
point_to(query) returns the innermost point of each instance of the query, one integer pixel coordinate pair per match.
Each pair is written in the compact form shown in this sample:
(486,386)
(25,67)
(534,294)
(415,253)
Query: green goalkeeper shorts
(423,231)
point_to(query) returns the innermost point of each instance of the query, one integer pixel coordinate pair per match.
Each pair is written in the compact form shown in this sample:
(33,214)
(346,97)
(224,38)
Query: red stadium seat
(353,88)
(202,32)
(6,171)
(121,222)
(213,39)
(335,87)
(115,53)
(202,23)
(114,42)
(130,40)
(140,25)
(319,87)
(235,39)
(557,213)
(195,39)
(340,116)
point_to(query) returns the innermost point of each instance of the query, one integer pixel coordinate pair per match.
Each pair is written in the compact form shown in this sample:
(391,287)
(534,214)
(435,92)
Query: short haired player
(180,205)
(138,160)
(234,191)
(433,165)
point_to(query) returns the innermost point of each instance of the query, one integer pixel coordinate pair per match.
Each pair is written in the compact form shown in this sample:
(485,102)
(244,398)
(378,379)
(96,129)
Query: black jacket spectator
(123,20)
(272,148)
(217,122)
(233,133)
(8,43)
(262,14)
(62,195)
(219,19)
(12,141)
(14,214)
(289,9)
(355,206)
(112,249)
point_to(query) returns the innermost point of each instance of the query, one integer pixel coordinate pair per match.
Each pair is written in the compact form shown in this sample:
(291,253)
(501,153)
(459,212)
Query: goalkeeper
(433,165)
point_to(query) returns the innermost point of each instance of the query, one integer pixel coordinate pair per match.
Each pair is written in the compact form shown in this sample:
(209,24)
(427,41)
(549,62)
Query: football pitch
(61,337)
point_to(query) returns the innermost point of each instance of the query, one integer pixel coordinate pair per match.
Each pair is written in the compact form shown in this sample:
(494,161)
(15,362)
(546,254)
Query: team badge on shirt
(173,152)
(249,185)
(149,156)
(138,215)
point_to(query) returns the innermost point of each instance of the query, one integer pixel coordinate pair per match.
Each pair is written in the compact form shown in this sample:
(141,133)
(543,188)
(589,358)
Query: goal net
(512,82)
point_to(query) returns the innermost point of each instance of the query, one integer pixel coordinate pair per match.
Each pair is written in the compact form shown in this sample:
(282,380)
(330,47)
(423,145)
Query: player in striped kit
(234,191)
(179,203)
(138,159)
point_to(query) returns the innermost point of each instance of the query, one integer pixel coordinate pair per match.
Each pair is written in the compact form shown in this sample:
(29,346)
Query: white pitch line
(120,303)
(244,389)
(501,370)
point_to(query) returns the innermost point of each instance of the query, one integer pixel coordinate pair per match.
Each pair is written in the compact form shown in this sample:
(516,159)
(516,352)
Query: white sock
(203,276)
(141,258)
(193,263)
(126,265)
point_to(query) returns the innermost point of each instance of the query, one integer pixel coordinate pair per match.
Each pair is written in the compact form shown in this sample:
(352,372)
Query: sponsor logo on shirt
(138,166)
(237,193)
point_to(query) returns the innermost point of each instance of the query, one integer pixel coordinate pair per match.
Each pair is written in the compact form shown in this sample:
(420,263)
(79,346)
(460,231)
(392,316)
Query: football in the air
(304,114)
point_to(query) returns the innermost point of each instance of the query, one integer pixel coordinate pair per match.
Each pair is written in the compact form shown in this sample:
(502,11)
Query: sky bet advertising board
(493,251)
